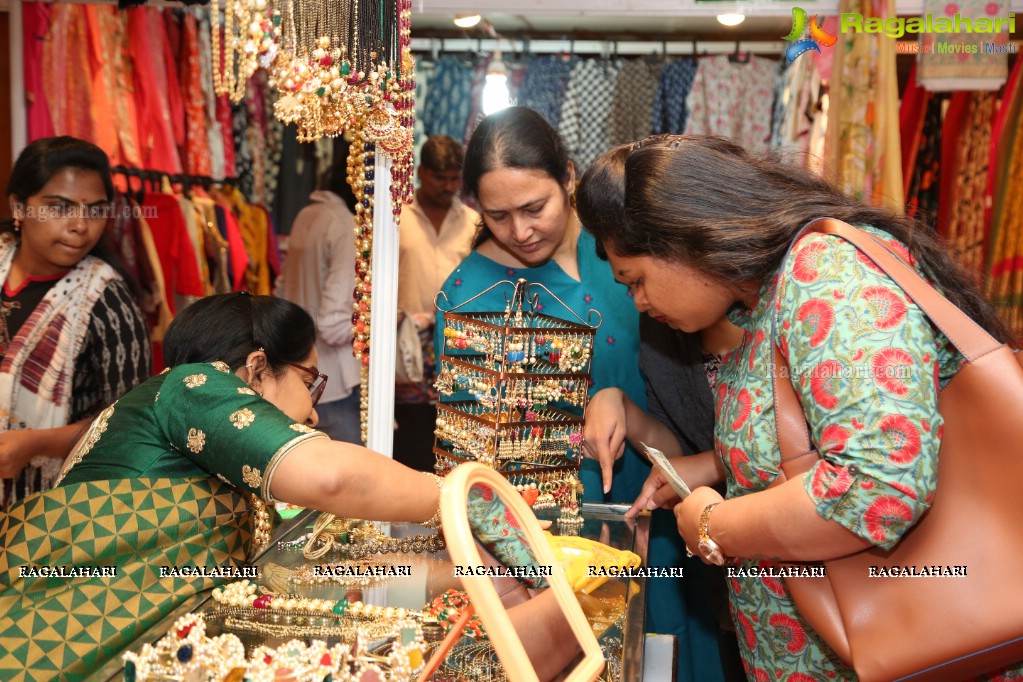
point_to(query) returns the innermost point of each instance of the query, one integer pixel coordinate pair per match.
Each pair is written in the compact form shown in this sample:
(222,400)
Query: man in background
(436,234)
(319,275)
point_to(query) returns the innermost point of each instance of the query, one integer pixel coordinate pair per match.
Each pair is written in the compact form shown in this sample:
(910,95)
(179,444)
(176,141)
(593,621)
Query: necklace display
(339,68)
(187,653)
(518,382)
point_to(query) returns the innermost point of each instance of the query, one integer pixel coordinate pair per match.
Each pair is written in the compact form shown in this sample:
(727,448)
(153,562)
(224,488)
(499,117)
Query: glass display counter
(410,580)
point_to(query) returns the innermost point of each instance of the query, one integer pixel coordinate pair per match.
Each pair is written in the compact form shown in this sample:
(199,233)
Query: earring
(571,198)
(17,225)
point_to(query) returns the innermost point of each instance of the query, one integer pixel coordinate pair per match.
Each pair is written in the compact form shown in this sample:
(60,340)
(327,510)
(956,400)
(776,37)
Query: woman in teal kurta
(517,167)
(616,345)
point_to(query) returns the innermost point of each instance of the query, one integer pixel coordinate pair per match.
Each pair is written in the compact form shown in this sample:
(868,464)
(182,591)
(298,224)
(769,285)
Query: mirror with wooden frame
(536,625)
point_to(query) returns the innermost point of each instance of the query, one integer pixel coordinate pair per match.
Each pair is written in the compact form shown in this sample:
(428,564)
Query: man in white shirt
(319,275)
(436,235)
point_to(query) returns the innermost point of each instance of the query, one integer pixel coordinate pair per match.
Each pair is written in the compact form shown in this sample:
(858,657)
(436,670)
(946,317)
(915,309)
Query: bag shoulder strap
(969,338)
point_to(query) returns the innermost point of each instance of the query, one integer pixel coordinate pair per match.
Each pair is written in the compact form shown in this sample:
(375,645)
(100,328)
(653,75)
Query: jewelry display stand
(516,384)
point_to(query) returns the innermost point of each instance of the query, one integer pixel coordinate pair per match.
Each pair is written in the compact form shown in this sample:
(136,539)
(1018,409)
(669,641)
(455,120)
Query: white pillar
(19,121)
(384,319)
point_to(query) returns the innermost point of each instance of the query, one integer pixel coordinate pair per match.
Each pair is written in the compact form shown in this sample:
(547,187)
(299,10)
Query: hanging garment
(543,88)
(446,111)
(585,111)
(1005,287)
(114,92)
(216,247)
(796,108)
(732,99)
(925,185)
(962,60)
(36,27)
(969,176)
(256,134)
(862,149)
(214,133)
(242,152)
(175,249)
(670,112)
(912,108)
(67,74)
(424,69)
(146,39)
(632,105)
(197,141)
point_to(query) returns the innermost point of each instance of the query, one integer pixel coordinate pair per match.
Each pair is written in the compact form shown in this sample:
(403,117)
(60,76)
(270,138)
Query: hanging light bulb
(467,20)
(495,90)
(731,19)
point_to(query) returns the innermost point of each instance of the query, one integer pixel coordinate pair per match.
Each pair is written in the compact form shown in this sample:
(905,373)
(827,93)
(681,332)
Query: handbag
(930,628)
(408,361)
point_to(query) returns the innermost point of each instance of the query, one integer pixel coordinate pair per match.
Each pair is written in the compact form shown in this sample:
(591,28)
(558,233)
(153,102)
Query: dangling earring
(17,225)
(571,198)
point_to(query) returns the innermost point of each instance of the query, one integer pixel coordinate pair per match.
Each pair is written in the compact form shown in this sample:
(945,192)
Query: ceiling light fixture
(495,89)
(731,19)
(467,20)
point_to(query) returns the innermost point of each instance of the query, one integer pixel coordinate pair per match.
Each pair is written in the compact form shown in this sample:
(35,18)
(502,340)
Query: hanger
(738,57)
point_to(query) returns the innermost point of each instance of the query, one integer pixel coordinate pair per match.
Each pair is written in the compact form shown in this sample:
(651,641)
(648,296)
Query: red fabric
(197,148)
(951,128)
(147,40)
(911,122)
(36,23)
(235,250)
(174,246)
(171,57)
(227,132)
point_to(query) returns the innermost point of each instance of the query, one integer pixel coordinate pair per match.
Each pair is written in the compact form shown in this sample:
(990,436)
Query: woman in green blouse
(181,472)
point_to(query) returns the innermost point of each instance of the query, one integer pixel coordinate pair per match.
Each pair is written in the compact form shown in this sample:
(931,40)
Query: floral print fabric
(867,366)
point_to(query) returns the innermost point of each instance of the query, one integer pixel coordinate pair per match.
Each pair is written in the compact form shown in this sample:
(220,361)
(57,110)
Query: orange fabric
(66,71)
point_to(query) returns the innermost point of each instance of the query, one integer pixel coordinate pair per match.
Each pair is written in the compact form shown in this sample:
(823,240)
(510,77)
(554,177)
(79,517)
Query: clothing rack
(510,46)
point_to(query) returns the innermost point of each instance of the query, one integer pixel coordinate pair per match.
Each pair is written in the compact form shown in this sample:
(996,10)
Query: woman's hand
(16,449)
(605,431)
(687,516)
(695,470)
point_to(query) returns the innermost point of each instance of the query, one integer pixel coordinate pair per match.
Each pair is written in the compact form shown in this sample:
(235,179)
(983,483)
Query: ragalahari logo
(818,36)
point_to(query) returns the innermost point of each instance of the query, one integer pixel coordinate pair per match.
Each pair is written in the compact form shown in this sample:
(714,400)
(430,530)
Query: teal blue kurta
(615,349)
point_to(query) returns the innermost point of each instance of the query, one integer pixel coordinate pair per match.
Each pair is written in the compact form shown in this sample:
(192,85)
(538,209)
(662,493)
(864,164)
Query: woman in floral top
(699,231)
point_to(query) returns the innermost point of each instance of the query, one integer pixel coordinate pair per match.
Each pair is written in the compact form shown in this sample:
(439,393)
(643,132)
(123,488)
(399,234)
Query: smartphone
(658,459)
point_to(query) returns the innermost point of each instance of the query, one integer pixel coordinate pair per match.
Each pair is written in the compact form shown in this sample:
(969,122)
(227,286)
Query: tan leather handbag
(948,628)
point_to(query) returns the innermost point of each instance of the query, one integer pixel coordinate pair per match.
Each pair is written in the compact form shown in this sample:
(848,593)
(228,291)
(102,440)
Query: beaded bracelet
(448,607)
(434,521)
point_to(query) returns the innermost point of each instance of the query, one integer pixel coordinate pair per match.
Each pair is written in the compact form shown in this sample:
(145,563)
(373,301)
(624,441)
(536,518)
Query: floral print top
(867,366)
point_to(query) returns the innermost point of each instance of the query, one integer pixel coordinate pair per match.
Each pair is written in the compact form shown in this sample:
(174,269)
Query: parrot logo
(800,45)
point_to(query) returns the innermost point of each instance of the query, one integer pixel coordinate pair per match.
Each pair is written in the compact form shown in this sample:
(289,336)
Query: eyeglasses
(319,382)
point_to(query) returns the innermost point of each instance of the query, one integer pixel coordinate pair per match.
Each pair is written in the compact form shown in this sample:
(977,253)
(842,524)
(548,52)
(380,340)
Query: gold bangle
(434,521)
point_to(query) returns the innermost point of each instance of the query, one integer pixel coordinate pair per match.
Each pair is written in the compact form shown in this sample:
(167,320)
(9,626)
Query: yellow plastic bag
(576,555)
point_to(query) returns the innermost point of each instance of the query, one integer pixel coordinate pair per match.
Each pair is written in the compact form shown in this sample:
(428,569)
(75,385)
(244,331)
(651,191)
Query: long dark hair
(227,327)
(47,156)
(706,201)
(516,137)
